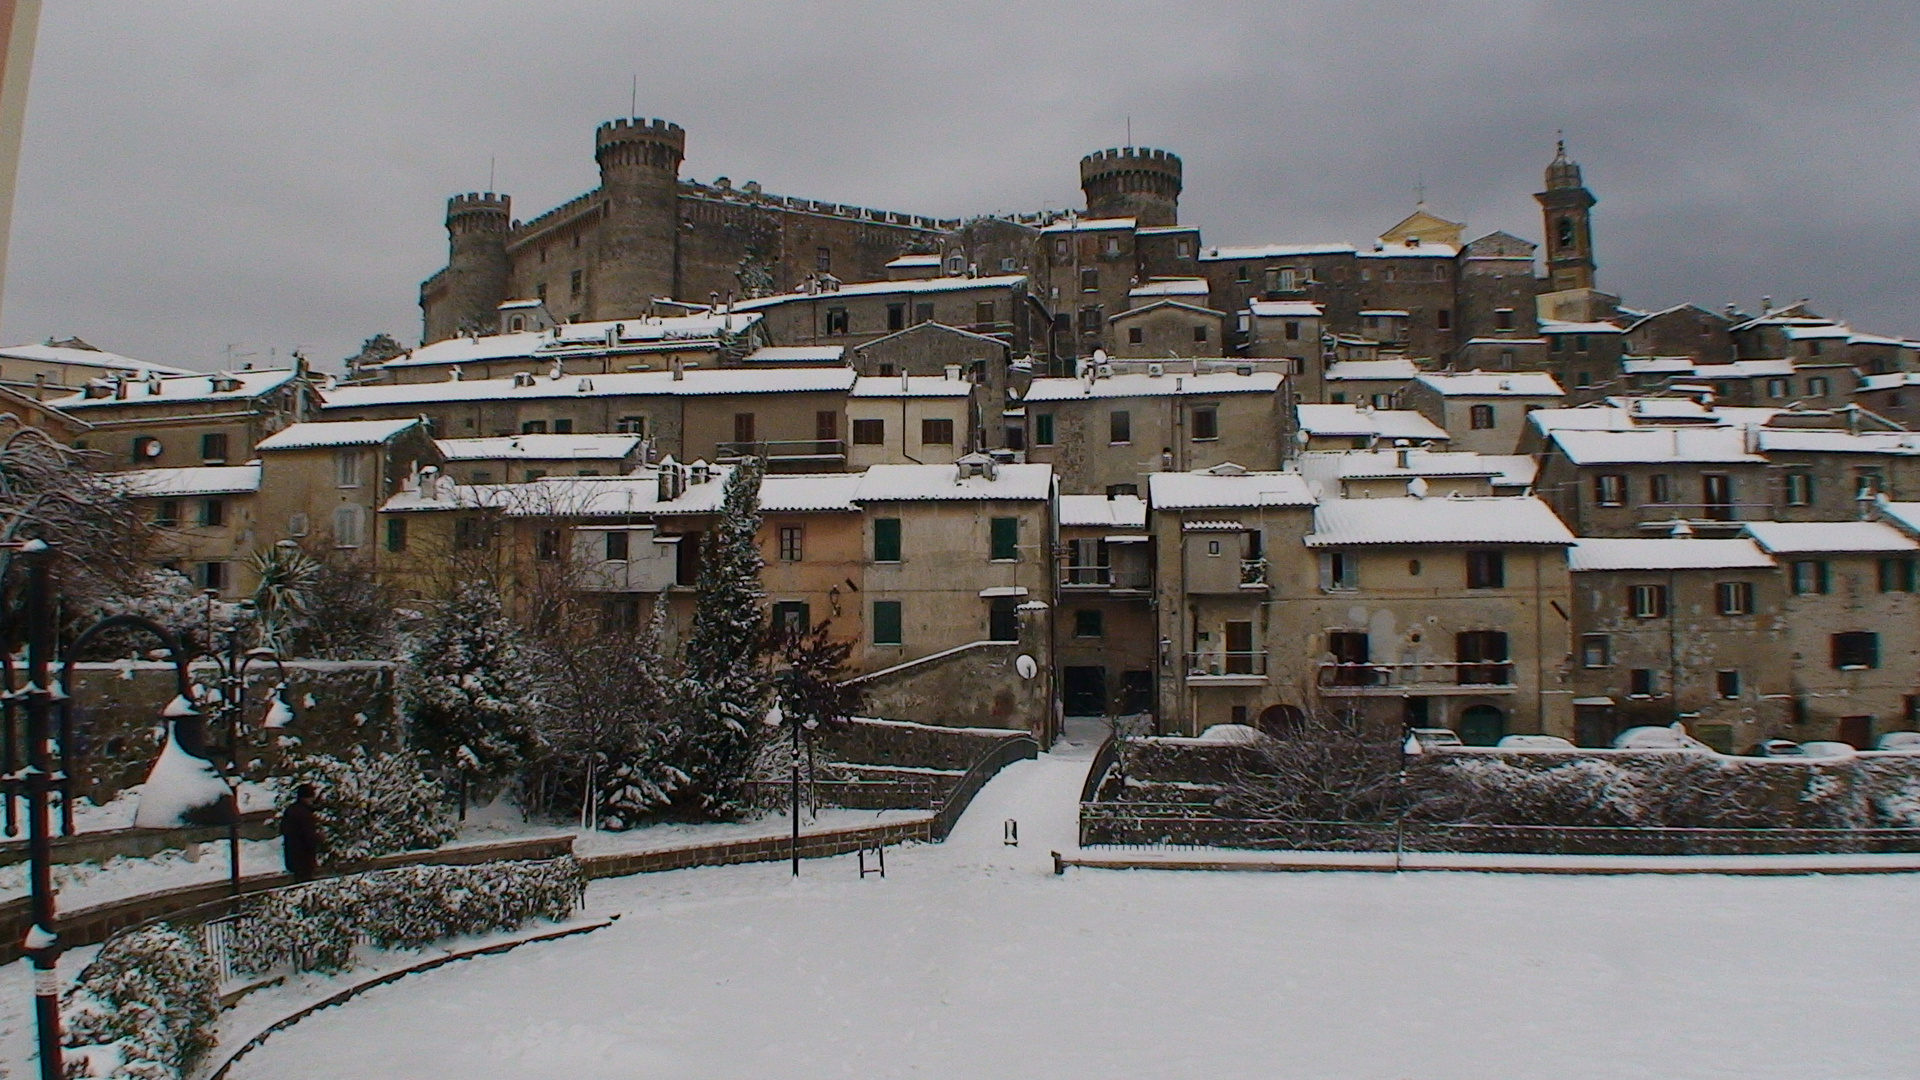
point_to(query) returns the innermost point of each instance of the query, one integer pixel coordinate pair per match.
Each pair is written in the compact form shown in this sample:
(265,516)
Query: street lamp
(231,665)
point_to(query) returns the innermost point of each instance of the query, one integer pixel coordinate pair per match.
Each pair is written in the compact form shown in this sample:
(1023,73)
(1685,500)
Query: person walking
(300,835)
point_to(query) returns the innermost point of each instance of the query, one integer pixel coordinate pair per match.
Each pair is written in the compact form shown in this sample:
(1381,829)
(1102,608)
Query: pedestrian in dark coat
(300,835)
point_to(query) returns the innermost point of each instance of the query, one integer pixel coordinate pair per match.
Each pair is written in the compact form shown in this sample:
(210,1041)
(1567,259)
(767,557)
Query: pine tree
(467,694)
(726,685)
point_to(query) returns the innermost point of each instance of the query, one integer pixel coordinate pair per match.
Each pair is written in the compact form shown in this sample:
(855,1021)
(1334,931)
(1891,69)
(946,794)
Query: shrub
(145,1008)
(373,804)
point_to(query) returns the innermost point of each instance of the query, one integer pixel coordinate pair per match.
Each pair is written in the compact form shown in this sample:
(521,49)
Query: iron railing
(782,449)
(1491,676)
(1202,665)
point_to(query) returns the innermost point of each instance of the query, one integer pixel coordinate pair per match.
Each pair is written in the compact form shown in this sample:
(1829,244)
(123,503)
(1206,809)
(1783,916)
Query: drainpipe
(1673,644)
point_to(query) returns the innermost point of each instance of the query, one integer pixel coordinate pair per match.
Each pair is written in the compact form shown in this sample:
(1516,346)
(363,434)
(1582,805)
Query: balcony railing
(783,450)
(1223,663)
(1456,677)
(1663,515)
(1103,577)
(1253,572)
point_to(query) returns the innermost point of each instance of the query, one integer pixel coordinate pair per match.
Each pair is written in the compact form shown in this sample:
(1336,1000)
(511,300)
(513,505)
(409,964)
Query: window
(632,425)
(869,432)
(1486,570)
(1610,489)
(1443,319)
(166,513)
(574,283)
(790,536)
(1114,491)
(1867,483)
(1503,318)
(547,546)
(1856,651)
(1291,330)
(346,526)
(1482,656)
(1005,539)
(213,513)
(1596,651)
(1061,249)
(213,575)
(1003,619)
(823,260)
(563,426)
(1043,429)
(1136,335)
(1087,623)
(1579,343)
(396,534)
(1660,488)
(1200,332)
(1734,597)
(886,540)
(471,534)
(346,468)
(791,618)
(922,313)
(533,474)
(1807,577)
(826,428)
(1351,651)
(1120,426)
(1727,683)
(1896,575)
(983,312)
(1817,386)
(297,524)
(896,316)
(534,427)
(936,431)
(1090,318)
(837,321)
(1480,417)
(1647,601)
(213,447)
(1777,388)
(1641,684)
(1799,489)
(1089,279)
(1206,422)
(886,622)
(1112,247)
(1339,571)
(618,549)
(743,427)
(1182,249)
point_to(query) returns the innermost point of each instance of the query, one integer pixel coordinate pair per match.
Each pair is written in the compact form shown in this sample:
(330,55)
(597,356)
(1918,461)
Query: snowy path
(972,960)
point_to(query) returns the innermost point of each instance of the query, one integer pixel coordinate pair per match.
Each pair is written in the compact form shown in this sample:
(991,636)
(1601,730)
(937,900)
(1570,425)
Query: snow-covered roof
(1337,420)
(796,354)
(640,334)
(173,389)
(1744,369)
(1516,470)
(696,383)
(913,261)
(1101,512)
(539,447)
(1500,519)
(61,354)
(918,483)
(809,492)
(1890,381)
(1405,250)
(1657,365)
(1555,326)
(897,386)
(1135,386)
(193,480)
(1655,445)
(1491,383)
(886,288)
(1666,553)
(1074,224)
(1822,440)
(319,434)
(1184,286)
(1226,486)
(1274,251)
(1154,305)
(1386,313)
(1341,370)
(1285,309)
(1904,514)
(1382,464)
(1816,537)
(1818,333)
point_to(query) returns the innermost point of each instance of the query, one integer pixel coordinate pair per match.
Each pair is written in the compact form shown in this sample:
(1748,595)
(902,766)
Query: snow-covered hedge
(373,804)
(144,1009)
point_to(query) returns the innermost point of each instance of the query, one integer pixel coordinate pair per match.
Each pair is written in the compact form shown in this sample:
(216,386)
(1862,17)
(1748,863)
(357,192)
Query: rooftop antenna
(490,172)
(1129,129)
(1419,191)
(633,100)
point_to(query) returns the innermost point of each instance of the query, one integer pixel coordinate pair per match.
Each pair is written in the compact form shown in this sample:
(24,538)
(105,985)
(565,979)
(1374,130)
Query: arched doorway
(1482,725)
(1282,721)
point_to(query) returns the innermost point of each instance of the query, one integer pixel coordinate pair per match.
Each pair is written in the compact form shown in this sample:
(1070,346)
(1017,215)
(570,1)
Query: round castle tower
(639,238)
(1132,181)
(476,275)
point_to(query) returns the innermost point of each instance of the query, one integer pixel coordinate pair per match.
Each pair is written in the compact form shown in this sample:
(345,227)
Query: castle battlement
(751,197)
(1102,160)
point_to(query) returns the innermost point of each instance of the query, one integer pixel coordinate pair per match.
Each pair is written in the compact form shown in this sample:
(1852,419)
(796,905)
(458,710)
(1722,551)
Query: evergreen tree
(468,695)
(811,680)
(726,686)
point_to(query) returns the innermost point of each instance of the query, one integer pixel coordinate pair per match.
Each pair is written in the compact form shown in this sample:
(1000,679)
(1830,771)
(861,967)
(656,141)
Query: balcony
(1114,579)
(1725,515)
(790,455)
(1224,668)
(1253,573)
(1438,679)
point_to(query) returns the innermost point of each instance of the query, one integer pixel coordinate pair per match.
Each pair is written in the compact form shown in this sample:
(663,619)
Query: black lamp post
(231,664)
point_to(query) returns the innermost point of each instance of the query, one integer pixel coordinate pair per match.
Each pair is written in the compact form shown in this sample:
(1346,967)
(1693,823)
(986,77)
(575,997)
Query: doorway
(1482,725)
(1084,691)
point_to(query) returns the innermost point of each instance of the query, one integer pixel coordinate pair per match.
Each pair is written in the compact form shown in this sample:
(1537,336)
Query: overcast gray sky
(263,175)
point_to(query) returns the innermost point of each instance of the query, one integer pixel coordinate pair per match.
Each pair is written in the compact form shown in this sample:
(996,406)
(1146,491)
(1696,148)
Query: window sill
(1006,561)
(1206,438)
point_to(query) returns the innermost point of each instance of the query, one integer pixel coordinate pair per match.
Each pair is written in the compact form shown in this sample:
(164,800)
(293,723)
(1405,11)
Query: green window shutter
(886,622)
(1043,429)
(886,540)
(1006,538)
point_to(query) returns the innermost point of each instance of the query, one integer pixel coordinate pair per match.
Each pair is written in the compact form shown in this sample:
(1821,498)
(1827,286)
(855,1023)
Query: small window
(1734,597)
(1200,332)
(1807,577)
(1339,571)
(1480,417)
(1043,429)
(1660,488)
(1799,487)
(396,534)
(533,474)
(297,524)
(346,527)
(1727,684)
(574,283)
(1596,651)
(213,447)
(1648,601)
(790,537)
(837,321)
(1119,426)
(166,513)
(547,546)
(983,312)
(1610,489)
(1005,539)
(1867,483)
(1291,330)
(563,426)
(213,576)
(1087,623)
(1003,619)
(791,618)
(1503,318)
(618,549)
(1856,651)
(1817,386)
(1136,335)
(1896,575)
(1486,570)
(1206,423)
(823,260)
(869,432)
(632,425)
(533,427)
(1090,319)
(743,427)
(922,313)
(936,431)
(896,317)
(1778,388)
(886,622)
(886,540)
(213,513)
(1114,491)
(1641,683)
(1443,319)
(1089,279)
(346,468)
(471,534)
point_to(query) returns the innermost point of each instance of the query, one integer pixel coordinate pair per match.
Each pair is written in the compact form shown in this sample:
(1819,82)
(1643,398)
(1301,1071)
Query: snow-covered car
(1657,738)
(1538,742)
(1781,748)
(1429,737)
(1899,740)
(1827,749)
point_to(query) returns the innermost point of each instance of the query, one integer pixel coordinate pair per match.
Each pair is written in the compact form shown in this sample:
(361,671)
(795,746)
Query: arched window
(1566,232)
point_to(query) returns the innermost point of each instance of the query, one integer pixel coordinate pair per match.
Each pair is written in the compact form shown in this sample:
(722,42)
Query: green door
(1482,725)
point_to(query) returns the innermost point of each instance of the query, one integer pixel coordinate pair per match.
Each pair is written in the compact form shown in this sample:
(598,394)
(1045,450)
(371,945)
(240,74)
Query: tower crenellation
(479,211)
(1133,181)
(475,281)
(638,143)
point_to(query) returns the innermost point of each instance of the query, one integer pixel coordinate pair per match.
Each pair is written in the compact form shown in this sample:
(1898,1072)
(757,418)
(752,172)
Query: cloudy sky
(205,177)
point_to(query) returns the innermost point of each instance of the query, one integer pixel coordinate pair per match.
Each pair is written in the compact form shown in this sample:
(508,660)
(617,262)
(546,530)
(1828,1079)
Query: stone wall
(977,685)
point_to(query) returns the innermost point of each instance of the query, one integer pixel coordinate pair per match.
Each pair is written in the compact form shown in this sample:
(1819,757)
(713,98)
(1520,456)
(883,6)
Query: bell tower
(1567,207)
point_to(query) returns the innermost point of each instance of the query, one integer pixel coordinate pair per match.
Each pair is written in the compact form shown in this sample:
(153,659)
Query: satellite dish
(1025,665)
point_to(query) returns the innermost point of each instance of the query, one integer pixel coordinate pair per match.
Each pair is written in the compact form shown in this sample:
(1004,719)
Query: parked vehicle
(1821,749)
(1542,742)
(1899,740)
(1780,748)
(1658,738)
(1430,737)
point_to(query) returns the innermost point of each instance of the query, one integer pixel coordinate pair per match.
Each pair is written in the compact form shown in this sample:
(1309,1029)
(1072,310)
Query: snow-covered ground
(971,959)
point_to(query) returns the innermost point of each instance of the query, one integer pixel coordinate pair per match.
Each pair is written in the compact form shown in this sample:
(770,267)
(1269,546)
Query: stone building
(57,368)
(1105,625)
(911,419)
(526,458)
(172,421)
(1483,412)
(1106,433)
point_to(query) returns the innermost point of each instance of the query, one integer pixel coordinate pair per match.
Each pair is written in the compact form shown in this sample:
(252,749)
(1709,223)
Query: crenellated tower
(1567,206)
(1132,181)
(639,238)
(475,280)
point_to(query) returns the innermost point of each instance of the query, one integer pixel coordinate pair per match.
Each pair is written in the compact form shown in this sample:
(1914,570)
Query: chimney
(953,372)
(679,365)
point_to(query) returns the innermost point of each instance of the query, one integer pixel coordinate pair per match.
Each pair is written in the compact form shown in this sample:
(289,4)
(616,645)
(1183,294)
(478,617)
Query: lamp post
(231,664)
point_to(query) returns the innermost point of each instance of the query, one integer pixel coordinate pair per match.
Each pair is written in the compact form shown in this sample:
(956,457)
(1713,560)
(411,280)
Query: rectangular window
(470,534)
(1896,575)
(983,312)
(886,539)
(896,316)
(574,283)
(167,513)
(823,260)
(1087,622)
(791,618)
(1503,318)
(1799,489)
(790,543)
(346,468)
(1596,651)
(534,427)
(1114,491)
(1206,423)
(1867,483)
(1660,488)
(1641,684)
(826,427)
(547,548)
(869,432)
(1043,429)
(922,313)
(1734,597)
(1089,279)
(618,549)
(936,432)
(563,426)
(1443,319)
(886,622)
(396,534)
(1090,320)
(346,526)
(1119,426)
(1648,601)
(1339,571)
(1610,489)
(1480,417)
(1727,683)
(1856,651)
(632,425)
(1482,658)
(213,447)
(1291,330)
(1807,577)
(533,474)
(213,576)
(213,513)
(837,321)
(1136,335)
(1003,619)
(1817,386)
(743,427)
(1486,570)
(1351,653)
(1200,333)
(1005,539)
